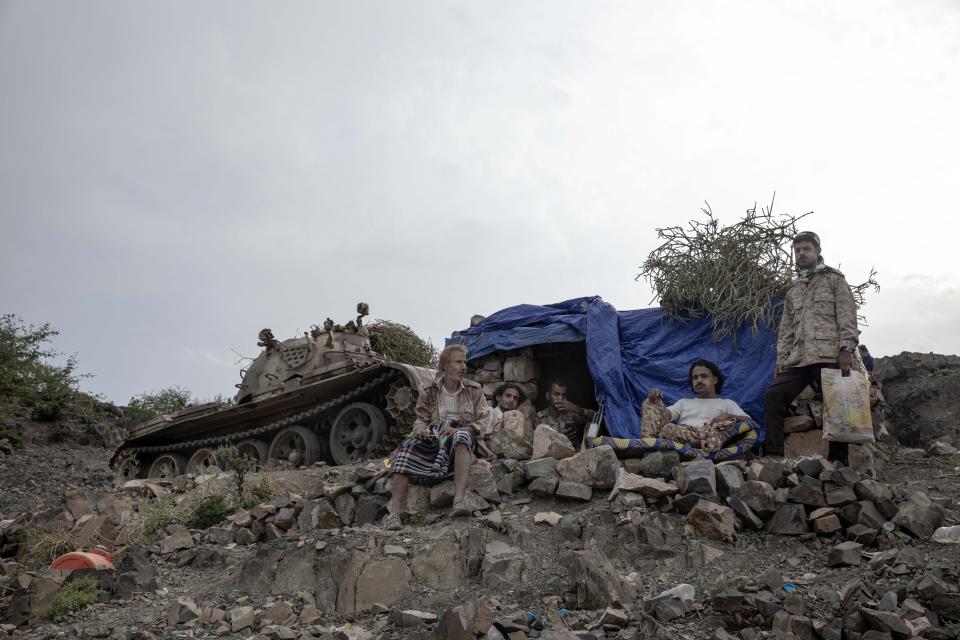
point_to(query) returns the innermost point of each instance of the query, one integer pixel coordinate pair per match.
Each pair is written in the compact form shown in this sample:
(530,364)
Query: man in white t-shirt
(696,421)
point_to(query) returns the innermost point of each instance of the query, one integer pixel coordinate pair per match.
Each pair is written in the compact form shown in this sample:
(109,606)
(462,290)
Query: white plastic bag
(846,407)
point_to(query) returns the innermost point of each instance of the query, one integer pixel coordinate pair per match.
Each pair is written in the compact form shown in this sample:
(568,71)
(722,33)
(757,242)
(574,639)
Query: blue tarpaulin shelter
(631,352)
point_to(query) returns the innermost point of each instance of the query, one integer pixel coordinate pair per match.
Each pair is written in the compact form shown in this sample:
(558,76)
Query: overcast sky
(175,176)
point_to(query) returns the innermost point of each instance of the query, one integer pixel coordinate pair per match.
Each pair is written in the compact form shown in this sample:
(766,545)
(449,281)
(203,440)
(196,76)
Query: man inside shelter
(507,397)
(562,414)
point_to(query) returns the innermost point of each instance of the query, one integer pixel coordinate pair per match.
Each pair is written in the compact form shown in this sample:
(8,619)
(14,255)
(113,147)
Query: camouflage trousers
(708,438)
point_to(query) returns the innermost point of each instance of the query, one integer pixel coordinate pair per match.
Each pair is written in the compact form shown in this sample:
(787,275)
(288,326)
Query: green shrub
(58,434)
(257,494)
(12,434)
(159,514)
(27,375)
(147,406)
(239,465)
(73,597)
(210,511)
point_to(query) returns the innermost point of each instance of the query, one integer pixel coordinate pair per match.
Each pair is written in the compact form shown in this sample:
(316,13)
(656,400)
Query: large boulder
(845,554)
(464,622)
(550,443)
(540,468)
(649,488)
(507,444)
(789,519)
(759,496)
(319,514)
(31,595)
(597,467)
(922,403)
(481,481)
(179,538)
(502,567)
(182,612)
(520,369)
(439,566)
(729,479)
(383,582)
(655,464)
(519,423)
(136,575)
(713,520)
(698,476)
(594,581)
(919,515)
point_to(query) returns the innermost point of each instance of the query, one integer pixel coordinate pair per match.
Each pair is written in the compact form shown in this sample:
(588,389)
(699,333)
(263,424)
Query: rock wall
(922,391)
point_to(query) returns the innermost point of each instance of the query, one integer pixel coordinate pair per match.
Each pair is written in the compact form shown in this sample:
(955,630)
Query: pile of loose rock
(897,596)
(807,496)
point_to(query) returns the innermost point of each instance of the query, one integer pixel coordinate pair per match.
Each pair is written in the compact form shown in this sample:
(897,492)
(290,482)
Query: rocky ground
(50,458)
(530,564)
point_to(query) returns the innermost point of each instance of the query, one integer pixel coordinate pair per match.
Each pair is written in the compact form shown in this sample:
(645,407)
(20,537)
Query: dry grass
(40,548)
(154,516)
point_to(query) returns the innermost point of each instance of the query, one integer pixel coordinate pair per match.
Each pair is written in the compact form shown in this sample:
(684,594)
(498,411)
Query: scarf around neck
(806,274)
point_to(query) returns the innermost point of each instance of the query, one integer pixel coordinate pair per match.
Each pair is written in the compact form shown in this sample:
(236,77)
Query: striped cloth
(428,459)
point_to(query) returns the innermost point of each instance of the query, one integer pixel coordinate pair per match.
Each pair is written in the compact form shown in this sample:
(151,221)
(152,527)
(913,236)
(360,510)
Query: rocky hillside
(561,544)
(923,396)
(39,460)
(581,547)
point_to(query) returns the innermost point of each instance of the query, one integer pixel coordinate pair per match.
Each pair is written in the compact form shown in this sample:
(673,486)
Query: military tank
(324,396)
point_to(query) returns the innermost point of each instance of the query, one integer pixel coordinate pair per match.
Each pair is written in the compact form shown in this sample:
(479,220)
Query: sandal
(392,522)
(460,508)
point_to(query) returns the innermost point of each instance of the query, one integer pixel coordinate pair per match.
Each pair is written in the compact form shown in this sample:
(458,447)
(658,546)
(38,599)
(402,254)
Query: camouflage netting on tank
(399,343)
(734,273)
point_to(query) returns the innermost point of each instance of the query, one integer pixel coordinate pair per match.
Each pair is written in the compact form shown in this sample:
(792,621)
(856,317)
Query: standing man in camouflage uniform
(818,330)
(563,415)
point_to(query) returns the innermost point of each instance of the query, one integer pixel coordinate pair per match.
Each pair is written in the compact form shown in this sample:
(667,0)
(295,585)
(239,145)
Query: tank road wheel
(201,461)
(296,445)
(127,469)
(167,466)
(402,404)
(256,449)
(357,431)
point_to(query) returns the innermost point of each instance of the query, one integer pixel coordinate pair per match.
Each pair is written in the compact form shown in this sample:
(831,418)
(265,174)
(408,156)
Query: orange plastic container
(97,558)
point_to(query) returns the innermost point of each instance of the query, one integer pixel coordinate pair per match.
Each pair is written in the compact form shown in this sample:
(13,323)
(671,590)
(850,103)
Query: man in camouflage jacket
(818,330)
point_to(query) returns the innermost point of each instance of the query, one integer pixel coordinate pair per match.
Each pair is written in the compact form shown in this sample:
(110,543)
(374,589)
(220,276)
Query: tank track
(323,407)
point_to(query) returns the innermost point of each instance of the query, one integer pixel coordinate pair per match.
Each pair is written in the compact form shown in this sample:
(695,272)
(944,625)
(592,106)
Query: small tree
(239,463)
(27,374)
(147,406)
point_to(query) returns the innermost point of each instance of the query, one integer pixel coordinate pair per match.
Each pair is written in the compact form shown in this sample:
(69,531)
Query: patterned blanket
(738,439)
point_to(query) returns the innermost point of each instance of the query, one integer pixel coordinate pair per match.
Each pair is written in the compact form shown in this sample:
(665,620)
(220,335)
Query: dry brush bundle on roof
(398,342)
(732,273)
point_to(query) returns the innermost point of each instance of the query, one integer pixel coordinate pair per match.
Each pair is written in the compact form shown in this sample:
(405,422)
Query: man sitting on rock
(700,422)
(563,415)
(507,397)
(453,417)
